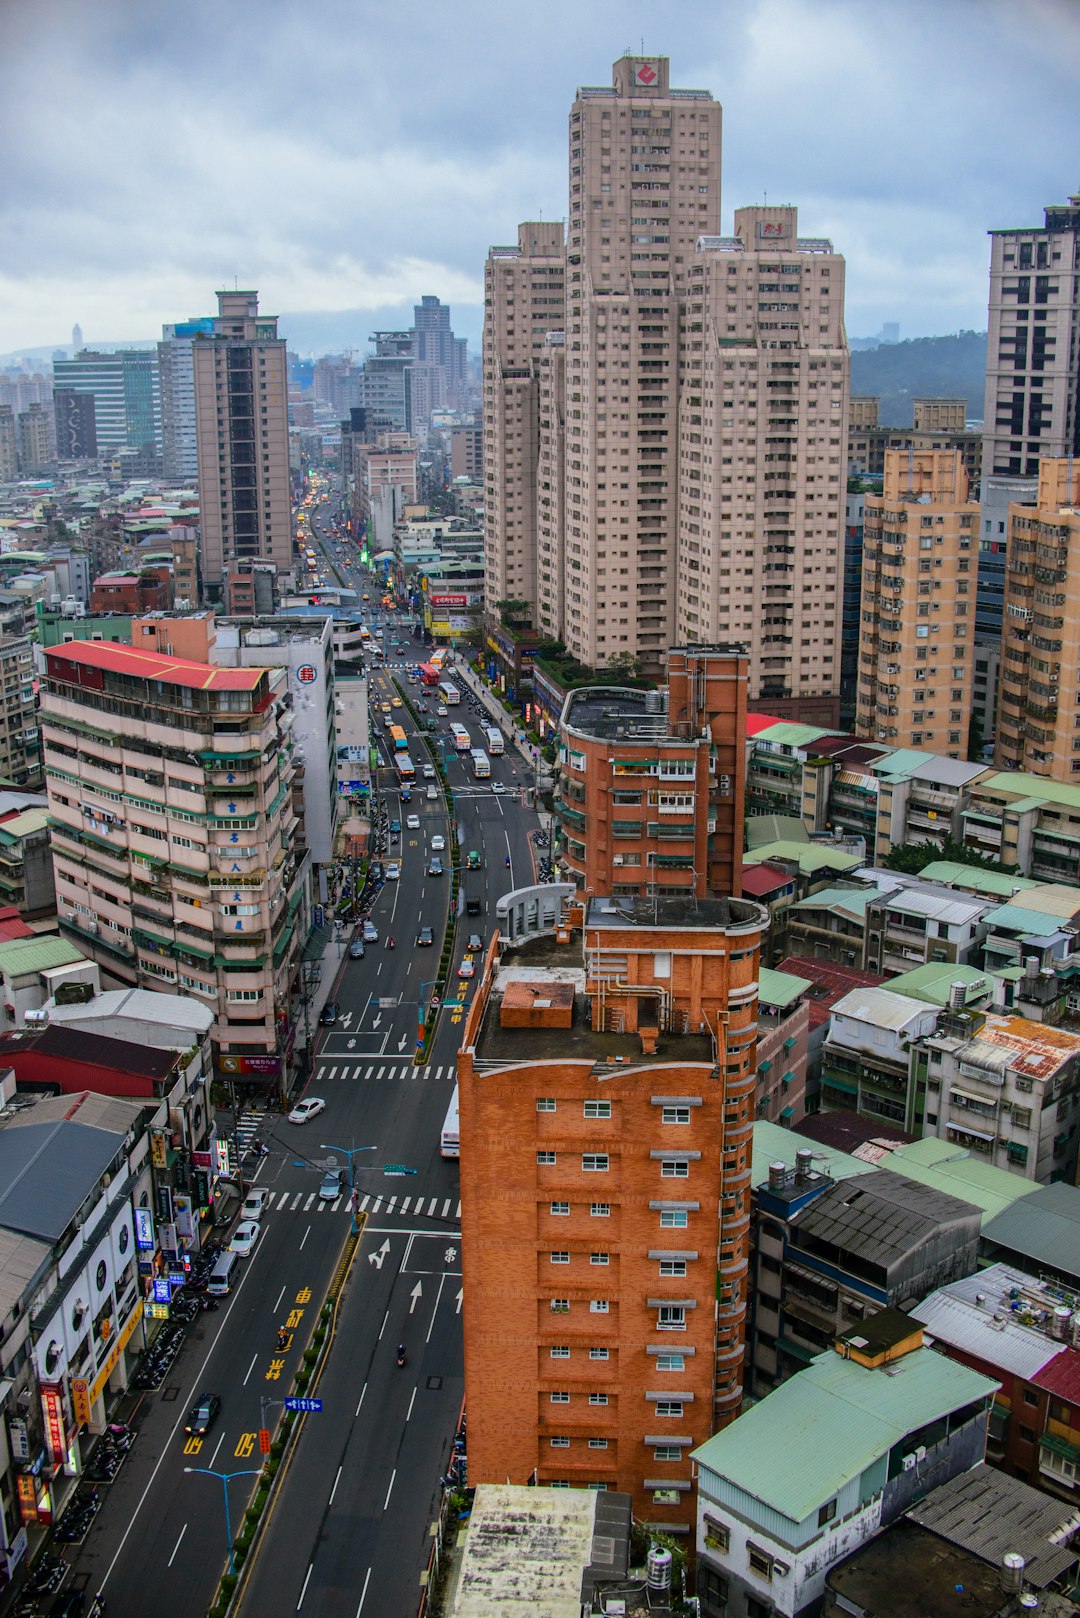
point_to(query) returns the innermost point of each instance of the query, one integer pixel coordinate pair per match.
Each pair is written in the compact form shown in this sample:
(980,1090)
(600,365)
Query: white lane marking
(304,1238)
(405,1205)
(363,1205)
(363,1392)
(412,1401)
(303,1592)
(250,1368)
(457,1211)
(280,1295)
(389,1490)
(295,1203)
(176,1547)
(432,1206)
(333,1491)
(390,1204)
(446,1208)
(363,1593)
(217,1446)
(310,1200)
(285,1195)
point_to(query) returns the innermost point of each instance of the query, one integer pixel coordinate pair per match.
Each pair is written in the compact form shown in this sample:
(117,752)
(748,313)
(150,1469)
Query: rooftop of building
(967,1175)
(879,1216)
(786,734)
(829,982)
(49,1165)
(1043,1227)
(531,1551)
(974,878)
(780,988)
(152,1062)
(1030,791)
(1000,1315)
(851,902)
(760,880)
(909,1572)
(763,829)
(692,914)
(616,713)
(113,658)
(173,1011)
(775,1144)
(934,982)
(23,956)
(933,901)
(881,1008)
(1017,1045)
(22,1261)
(809,857)
(990,1513)
(830,1422)
(850,1132)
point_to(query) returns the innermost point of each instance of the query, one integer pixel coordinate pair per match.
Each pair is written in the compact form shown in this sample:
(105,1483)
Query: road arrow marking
(459,1298)
(377,1021)
(414,1297)
(377,1257)
(346,1020)
(401,1042)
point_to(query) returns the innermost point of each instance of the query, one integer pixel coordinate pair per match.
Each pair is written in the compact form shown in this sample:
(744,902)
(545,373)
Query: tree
(976,739)
(624,664)
(513,613)
(914,857)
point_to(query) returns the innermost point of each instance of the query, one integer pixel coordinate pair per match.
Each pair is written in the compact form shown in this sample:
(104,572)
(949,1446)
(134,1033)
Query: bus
(494,738)
(429,674)
(481,764)
(405,767)
(439,656)
(399,739)
(449,694)
(460,738)
(450,1140)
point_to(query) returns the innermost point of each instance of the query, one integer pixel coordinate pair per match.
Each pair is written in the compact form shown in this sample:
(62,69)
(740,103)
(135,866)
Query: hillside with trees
(923,367)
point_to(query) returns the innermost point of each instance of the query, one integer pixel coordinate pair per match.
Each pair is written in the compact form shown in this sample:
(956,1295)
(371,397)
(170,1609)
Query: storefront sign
(52,1411)
(159,1148)
(123,1338)
(27,1498)
(182,1208)
(80,1401)
(18,1438)
(144,1230)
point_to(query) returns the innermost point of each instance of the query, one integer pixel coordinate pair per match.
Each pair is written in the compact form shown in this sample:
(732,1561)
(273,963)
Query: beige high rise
(762,470)
(644,185)
(1038,722)
(917,628)
(524,300)
(242,432)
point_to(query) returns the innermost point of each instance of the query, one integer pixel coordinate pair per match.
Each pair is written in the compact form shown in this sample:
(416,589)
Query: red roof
(140,665)
(830,983)
(1061,1376)
(756,722)
(759,880)
(12,924)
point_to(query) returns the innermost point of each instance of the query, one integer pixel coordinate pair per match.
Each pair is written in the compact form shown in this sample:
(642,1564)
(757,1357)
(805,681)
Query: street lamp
(226,1478)
(350,1152)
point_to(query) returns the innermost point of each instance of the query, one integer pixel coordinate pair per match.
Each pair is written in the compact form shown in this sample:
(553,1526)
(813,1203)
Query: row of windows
(602,1109)
(668,1266)
(671,1168)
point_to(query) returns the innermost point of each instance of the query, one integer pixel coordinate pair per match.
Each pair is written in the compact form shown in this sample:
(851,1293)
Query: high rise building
(524,300)
(242,433)
(1032,404)
(76,337)
(76,425)
(9,445)
(917,612)
(1038,724)
(34,452)
(180,451)
(762,471)
(20,732)
(149,758)
(127,397)
(606,1114)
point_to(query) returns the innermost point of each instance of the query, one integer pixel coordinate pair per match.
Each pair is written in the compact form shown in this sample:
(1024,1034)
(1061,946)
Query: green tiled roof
(974,877)
(933,981)
(1020,919)
(853,900)
(811,857)
(1036,789)
(774,1144)
(38,954)
(900,763)
(829,1423)
(788,734)
(780,988)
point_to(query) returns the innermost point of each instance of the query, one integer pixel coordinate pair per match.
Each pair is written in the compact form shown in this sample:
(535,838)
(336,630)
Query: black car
(70,1604)
(329,1013)
(435,868)
(202,1416)
(425,936)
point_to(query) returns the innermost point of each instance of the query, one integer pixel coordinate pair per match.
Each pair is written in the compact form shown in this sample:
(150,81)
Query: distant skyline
(344,157)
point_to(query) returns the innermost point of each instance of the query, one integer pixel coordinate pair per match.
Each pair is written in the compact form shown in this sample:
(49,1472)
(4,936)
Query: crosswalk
(250,1128)
(423,1207)
(372,1072)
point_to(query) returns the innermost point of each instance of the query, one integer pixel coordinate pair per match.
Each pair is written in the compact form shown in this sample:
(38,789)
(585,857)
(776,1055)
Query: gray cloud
(339,154)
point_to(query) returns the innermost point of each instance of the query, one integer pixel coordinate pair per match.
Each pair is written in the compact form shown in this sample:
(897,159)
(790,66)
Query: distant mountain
(923,367)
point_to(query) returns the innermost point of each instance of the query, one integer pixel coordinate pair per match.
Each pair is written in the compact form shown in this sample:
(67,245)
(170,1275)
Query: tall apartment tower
(127,397)
(242,437)
(524,300)
(1038,725)
(1032,404)
(9,445)
(176,369)
(917,629)
(606,1101)
(762,470)
(644,185)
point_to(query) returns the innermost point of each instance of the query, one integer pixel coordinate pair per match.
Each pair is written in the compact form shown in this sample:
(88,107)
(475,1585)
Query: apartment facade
(524,299)
(127,399)
(762,470)
(173,830)
(1038,727)
(606,1103)
(176,369)
(242,439)
(20,734)
(650,798)
(920,567)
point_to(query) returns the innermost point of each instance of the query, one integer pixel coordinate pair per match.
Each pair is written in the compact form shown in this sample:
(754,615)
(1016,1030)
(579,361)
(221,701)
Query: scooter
(390,943)
(401,1354)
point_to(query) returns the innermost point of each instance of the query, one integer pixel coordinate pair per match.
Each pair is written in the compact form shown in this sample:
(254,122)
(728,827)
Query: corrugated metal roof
(810,857)
(881,1007)
(1058,899)
(901,763)
(785,733)
(974,1314)
(1018,918)
(952,772)
(1032,1048)
(761,879)
(975,878)
(943,1164)
(1061,1376)
(179,1011)
(933,982)
(46,1173)
(852,901)
(129,660)
(880,1216)
(1039,787)
(37,954)
(780,988)
(990,1513)
(774,1144)
(828,1423)
(762,829)
(21,1258)
(937,906)
(1044,1226)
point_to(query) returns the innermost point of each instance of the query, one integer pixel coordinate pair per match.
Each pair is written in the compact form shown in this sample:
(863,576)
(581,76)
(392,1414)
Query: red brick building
(606,1112)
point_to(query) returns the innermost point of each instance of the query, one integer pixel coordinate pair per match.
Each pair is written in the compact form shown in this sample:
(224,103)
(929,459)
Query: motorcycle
(401,1354)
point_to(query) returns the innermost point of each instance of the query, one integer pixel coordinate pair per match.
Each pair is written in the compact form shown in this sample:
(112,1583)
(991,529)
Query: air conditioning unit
(617,859)
(920,1453)
(89,924)
(908,1463)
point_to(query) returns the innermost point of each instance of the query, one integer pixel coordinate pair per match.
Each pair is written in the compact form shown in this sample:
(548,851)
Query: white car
(371,932)
(412,822)
(244,1237)
(393,871)
(255,1202)
(498,786)
(432,794)
(441,711)
(438,844)
(429,772)
(307,1109)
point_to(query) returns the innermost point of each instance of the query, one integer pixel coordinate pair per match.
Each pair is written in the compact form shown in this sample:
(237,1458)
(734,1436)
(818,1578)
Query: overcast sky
(348,155)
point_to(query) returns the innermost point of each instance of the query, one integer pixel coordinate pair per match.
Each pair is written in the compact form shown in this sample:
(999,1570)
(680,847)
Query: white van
(221,1274)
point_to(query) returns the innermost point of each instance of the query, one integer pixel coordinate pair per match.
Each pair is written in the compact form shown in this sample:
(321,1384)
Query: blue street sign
(314,1405)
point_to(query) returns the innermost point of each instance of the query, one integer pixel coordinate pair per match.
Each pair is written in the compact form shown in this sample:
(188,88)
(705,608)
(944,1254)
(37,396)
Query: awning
(852,778)
(966,1095)
(787,1112)
(840,1084)
(965,1129)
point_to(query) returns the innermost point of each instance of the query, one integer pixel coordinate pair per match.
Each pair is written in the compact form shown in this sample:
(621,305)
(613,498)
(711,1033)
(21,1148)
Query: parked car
(356,950)
(307,1109)
(395,828)
(244,1238)
(371,933)
(329,1014)
(255,1202)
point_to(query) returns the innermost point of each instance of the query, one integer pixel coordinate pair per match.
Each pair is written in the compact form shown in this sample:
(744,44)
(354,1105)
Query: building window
(598,1258)
(674,1168)
(673,1219)
(594,1162)
(670,1409)
(561,1209)
(826,1513)
(560,1443)
(600,1210)
(598,1398)
(671,1362)
(598,1443)
(758,1609)
(559,1258)
(598,1306)
(598,1109)
(675,1115)
(598,1353)
(545,1103)
(672,1266)
(560,1351)
(559,1398)
(672,1317)
(717,1534)
(546,1158)
(760,1562)
(668,1452)
(560,1306)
